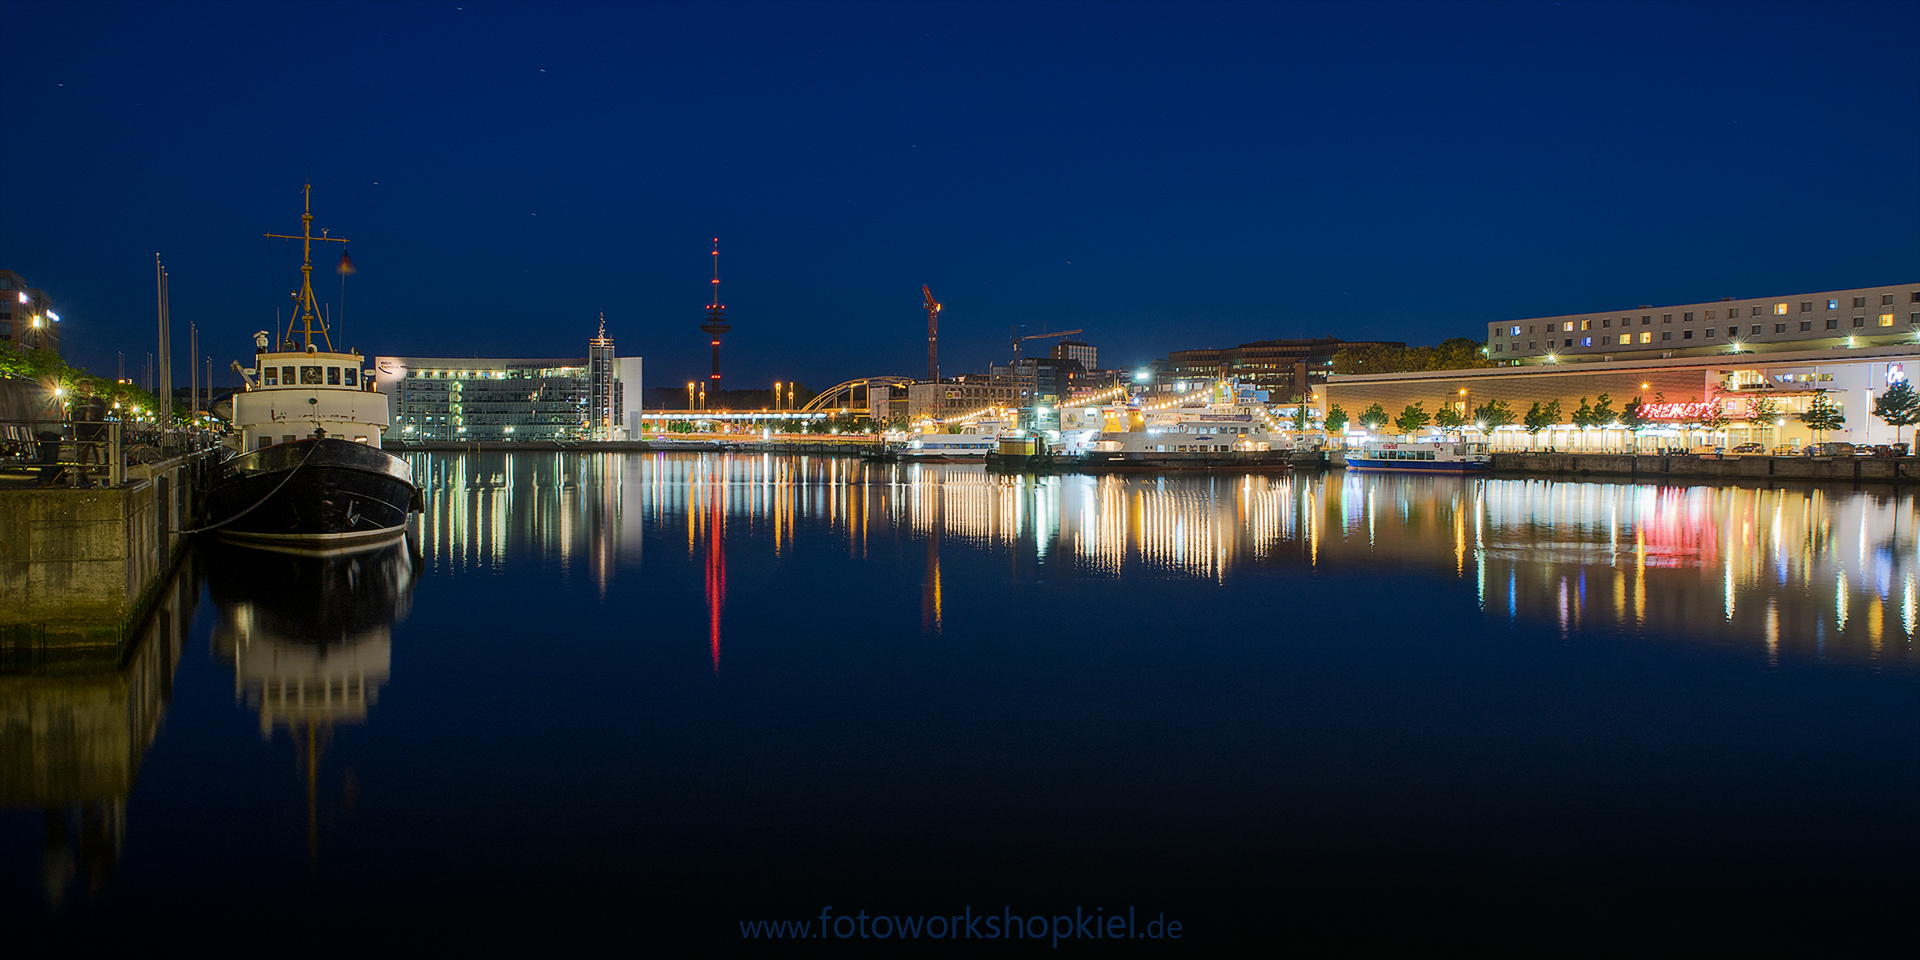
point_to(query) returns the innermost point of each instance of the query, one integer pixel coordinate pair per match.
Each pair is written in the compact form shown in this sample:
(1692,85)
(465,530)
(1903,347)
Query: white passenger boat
(970,445)
(1212,437)
(1435,456)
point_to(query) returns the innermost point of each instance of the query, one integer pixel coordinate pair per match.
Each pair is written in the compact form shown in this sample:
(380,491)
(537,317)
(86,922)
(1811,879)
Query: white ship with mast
(307,470)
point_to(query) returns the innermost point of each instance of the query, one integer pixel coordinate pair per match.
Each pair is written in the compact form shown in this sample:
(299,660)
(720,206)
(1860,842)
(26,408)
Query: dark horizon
(1164,177)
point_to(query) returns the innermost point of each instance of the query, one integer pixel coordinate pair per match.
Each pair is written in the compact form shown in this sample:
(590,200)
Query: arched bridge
(841,395)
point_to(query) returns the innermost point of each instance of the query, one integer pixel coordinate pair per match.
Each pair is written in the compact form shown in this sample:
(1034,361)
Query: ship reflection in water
(1826,572)
(309,639)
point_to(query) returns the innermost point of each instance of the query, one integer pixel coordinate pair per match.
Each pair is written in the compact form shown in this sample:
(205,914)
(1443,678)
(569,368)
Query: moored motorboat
(1433,456)
(306,469)
(1209,437)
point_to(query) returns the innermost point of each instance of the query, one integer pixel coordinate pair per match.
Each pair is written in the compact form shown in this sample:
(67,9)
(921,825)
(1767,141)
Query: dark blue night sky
(1164,176)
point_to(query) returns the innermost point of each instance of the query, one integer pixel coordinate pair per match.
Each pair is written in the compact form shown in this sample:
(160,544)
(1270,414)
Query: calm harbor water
(657,695)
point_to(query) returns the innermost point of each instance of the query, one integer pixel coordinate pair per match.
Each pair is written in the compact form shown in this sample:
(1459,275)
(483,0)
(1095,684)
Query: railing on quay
(70,453)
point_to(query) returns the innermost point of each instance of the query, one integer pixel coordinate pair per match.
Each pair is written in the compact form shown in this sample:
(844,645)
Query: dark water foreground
(650,697)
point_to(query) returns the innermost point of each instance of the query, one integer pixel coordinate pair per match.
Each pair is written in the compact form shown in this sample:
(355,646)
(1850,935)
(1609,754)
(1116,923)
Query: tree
(1373,418)
(1630,417)
(1450,417)
(1299,420)
(1456,353)
(1583,417)
(1336,421)
(1823,415)
(1898,405)
(1539,418)
(1413,417)
(1493,413)
(1603,413)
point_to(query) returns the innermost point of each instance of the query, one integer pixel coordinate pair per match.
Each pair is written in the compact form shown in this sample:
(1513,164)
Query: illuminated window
(1646,336)
(1833,304)
(1886,319)
(1568,327)
(1588,341)
(1779,309)
(1514,332)
(1586,324)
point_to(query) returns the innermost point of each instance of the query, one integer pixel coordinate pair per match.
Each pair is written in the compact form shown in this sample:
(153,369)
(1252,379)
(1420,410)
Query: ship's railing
(83,453)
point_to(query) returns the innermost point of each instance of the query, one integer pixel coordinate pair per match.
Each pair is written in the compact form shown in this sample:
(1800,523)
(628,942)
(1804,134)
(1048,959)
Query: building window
(1886,299)
(1646,336)
(352,376)
(1756,328)
(1833,304)
(1568,326)
(1645,319)
(1886,319)
(1710,333)
(1806,306)
(1666,318)
(1688,335)
(1530,344)
(1859,301)
(1779,309)
(270,377)
(1806,325)
(1514,332)
(1550,344)
(1586,324)
(1607,322)
(1833,323)
(1666,335)
(333,376)
(1687,319)
(1756,311)
(1915,298)
(1498,347)
(286,376)
(1588,341)
(310,376)
(1858,321)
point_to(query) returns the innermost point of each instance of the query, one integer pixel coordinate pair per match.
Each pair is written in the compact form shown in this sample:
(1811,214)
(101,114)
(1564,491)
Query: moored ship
(1232,437)
(306,469)
(1434,456)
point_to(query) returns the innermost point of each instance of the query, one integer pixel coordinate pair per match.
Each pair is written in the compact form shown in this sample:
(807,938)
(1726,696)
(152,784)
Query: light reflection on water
(1806,570)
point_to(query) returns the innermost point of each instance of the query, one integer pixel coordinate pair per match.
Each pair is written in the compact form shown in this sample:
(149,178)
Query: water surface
(661,694)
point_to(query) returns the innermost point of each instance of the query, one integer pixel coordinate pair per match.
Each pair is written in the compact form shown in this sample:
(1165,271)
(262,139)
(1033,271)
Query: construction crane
(1018,339)
(933,335)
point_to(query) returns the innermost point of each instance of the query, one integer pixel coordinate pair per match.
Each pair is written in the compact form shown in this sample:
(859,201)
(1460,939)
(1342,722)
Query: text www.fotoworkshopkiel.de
(1005,925)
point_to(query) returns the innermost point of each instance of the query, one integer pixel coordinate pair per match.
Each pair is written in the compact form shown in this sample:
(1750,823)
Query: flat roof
(1784,357)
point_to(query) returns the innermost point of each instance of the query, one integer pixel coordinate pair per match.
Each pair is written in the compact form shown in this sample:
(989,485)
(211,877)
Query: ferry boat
(305,468)
(1213,437)
(1434,456)
(970,445)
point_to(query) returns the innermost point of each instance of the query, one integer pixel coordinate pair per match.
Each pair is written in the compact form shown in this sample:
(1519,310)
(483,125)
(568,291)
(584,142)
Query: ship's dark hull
(312,494)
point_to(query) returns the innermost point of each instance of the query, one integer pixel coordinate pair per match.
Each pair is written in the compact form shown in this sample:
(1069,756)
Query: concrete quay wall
(79,568)
(1846,469)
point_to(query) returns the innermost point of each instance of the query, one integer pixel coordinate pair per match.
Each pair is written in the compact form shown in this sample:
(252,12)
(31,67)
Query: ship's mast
(305,313)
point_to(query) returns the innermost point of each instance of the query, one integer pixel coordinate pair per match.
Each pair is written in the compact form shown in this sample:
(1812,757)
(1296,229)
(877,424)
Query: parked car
(1786,450)
(1705,451)
(1835,448)
(1749,448)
